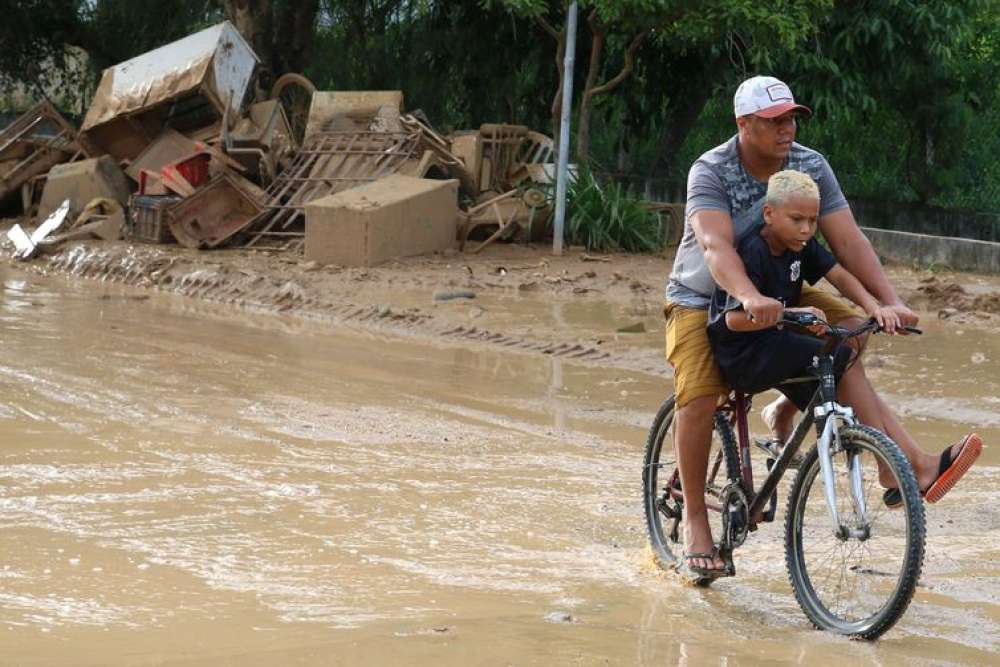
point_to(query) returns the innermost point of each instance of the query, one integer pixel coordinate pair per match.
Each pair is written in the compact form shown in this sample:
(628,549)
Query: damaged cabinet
(187,85)
(82,182)
(396,216)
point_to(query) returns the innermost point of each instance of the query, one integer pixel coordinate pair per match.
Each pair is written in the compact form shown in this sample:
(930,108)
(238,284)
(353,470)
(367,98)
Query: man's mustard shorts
(688,351)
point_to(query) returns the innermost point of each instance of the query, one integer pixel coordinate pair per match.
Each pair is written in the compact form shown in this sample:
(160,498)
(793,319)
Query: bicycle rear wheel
(661,485)
(856,585)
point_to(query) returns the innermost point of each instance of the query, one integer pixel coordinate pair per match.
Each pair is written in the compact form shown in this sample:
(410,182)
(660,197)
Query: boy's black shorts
(760,362)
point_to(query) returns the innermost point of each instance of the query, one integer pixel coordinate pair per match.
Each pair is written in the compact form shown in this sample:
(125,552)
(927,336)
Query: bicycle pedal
(772,446)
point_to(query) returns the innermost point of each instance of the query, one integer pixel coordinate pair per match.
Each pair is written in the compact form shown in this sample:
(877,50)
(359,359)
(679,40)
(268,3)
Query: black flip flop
(703,576)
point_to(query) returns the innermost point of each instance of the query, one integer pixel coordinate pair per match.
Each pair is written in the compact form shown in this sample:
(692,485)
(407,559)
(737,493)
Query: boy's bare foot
(778,416)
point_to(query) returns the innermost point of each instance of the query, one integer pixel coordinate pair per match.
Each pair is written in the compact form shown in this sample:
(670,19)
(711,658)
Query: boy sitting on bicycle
(778,256)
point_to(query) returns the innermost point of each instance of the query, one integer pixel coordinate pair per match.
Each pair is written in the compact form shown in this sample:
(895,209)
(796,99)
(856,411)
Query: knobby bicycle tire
(895,605)
(655,478)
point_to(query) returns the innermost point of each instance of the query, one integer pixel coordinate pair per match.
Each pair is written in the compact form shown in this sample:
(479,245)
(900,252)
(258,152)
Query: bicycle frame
(824,415)
(759,498)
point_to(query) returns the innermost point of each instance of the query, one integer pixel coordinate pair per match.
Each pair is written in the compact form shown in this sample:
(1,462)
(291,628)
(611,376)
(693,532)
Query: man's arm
(714,231)
(852,288)
(853,250)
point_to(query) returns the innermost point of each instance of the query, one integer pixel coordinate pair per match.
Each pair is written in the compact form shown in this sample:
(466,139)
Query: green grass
(605,216)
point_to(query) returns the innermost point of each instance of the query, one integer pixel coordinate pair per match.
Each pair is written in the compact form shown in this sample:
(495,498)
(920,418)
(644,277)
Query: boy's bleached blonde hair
(790,183)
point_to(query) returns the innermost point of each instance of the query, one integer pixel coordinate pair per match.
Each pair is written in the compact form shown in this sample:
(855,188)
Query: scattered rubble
(177,151)
(30,146)
(951,298)
(27,245)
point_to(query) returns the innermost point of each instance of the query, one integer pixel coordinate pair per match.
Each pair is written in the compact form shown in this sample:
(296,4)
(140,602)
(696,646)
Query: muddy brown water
(187,484)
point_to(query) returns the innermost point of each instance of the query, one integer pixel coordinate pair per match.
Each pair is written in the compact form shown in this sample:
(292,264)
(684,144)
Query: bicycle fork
(827,445)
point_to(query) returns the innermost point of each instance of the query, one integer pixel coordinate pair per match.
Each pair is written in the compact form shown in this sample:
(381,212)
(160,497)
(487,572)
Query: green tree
(617,30)
(915,60)
(34,34)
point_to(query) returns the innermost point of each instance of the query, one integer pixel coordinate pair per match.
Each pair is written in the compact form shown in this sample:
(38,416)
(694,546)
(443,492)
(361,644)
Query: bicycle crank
(735,515)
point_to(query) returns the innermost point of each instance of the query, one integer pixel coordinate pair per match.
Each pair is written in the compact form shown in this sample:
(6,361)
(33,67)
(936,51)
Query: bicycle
(837,542)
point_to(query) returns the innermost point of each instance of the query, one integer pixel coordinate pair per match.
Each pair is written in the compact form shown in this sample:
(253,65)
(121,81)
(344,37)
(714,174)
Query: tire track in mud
(261,291)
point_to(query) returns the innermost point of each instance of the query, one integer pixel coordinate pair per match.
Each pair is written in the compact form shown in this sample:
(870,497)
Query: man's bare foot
(927,468)
(937,477)
(778,416)
(699,549)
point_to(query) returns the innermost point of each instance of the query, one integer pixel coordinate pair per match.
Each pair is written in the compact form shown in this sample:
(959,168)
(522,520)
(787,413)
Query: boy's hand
(817,329)
(887,317)
(763,310)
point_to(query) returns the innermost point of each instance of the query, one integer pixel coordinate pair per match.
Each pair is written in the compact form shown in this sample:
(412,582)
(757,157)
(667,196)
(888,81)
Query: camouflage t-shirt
(717,180)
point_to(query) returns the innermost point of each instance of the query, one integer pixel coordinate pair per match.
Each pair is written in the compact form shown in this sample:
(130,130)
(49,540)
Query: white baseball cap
(765,96)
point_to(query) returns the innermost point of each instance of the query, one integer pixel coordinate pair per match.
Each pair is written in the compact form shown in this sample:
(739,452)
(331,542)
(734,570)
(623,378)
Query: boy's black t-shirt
(778,277)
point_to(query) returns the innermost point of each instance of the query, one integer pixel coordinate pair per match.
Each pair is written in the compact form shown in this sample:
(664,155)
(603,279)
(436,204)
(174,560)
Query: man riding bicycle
(725,197)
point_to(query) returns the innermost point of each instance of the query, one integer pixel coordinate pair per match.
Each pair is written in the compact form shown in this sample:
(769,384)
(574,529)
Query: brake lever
(910,330)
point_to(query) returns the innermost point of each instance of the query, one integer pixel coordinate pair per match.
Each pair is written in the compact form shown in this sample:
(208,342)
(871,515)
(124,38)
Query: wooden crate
(149,218)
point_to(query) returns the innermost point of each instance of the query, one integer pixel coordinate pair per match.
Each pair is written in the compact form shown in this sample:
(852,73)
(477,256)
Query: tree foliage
(904,90)
(618,29)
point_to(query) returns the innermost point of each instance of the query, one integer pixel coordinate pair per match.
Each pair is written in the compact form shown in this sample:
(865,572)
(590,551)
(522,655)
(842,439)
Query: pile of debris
(172,149)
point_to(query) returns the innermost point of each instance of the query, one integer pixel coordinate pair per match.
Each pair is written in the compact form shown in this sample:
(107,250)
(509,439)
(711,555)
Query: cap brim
(784,107)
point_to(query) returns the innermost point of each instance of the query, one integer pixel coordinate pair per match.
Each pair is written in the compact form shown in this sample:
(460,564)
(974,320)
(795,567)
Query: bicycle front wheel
(856,578)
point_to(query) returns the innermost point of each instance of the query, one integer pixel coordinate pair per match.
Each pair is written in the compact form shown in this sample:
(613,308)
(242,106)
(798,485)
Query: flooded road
(187,484)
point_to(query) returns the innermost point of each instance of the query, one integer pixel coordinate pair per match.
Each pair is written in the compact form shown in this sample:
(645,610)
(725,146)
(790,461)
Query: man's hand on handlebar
(763,310)
(906,317)
(888,318)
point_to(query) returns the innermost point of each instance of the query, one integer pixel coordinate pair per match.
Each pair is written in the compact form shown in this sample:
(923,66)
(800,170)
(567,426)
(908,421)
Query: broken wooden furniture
(329,162)
(513,211)
(34,143)
(216,212)
(438,156)
(501,145)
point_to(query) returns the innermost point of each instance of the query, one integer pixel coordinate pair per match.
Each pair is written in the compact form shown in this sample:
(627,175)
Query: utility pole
(562,172)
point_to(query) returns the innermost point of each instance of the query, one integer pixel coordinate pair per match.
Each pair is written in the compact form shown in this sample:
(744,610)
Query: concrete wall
(942,251)
(922,219)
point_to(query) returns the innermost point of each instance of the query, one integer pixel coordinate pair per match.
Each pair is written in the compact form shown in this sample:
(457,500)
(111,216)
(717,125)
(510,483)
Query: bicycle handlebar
(801,319)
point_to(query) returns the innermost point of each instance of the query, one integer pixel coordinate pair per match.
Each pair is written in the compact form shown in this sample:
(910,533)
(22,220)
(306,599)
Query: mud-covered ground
(344,468)
(604,309)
